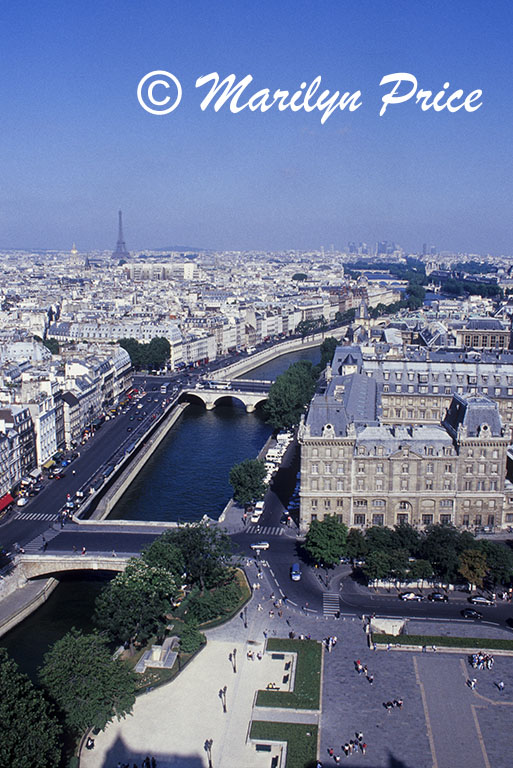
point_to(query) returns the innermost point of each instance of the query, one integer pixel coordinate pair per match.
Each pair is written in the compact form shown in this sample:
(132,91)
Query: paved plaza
(441,724)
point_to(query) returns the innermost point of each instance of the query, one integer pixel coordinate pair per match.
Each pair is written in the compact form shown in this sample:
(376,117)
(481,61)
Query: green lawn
(448,642)
(301,740)
(307,682)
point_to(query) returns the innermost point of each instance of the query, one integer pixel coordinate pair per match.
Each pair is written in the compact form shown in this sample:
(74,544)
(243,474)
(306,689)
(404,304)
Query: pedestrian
(74,548)
(153,763)
(500,686)
(365,671)
(398,703)
(337,759)
(114,553)
(83,551)
(331,751)
(363,747)
(359,735)
(370,678)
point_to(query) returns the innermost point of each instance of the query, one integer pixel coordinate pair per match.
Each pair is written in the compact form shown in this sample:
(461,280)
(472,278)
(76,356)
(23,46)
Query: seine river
(186,478)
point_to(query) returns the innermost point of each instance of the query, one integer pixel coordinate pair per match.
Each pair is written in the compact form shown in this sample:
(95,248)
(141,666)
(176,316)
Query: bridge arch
(33,566)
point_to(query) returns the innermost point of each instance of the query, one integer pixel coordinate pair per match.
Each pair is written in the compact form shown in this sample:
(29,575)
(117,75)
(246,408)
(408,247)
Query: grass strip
(307,681)
(301,740)
(448,642)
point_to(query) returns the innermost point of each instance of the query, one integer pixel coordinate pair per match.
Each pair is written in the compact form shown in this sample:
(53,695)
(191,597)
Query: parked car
(34,490)
(481,600)
(438,597)
(469,613)
(410,596)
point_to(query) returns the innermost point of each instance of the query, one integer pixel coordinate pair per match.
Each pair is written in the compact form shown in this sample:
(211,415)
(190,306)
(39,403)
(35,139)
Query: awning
(5,501)
(35,473)
(48,464)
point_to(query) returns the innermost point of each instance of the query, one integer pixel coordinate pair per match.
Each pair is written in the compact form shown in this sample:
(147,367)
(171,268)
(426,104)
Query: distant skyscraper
(121,251)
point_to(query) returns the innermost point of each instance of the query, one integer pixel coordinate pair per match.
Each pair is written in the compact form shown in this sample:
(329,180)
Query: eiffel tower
(121,251)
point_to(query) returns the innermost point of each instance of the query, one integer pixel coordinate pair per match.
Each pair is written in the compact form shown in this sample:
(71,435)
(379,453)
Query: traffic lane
(392,606)
(94,456)
(281,554)
(96,541)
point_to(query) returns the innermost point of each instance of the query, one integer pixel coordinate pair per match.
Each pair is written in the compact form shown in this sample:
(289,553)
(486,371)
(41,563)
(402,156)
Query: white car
(480,600)
(260,545)
(410,596)
(23,500)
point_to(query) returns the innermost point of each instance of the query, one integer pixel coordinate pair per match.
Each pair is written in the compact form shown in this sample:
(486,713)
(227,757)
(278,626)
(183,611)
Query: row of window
(461,378)
(361,519)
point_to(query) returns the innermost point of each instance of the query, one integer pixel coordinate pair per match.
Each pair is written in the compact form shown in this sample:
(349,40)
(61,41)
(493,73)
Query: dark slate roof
(351,355)
(484,324)
(473,413)
(70,398)
(348,399)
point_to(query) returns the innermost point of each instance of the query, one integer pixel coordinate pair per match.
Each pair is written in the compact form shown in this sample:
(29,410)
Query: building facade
(370,473)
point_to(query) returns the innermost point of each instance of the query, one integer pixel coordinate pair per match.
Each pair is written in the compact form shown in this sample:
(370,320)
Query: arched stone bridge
(32,566)
(249,392)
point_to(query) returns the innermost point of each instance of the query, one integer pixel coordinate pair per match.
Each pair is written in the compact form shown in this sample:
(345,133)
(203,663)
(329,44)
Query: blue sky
(76,145)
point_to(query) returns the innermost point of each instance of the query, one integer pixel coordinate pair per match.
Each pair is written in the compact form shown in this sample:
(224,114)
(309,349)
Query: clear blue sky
(76,145)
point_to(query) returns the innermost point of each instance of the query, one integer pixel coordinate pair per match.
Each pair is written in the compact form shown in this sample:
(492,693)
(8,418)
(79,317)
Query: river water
(186,478)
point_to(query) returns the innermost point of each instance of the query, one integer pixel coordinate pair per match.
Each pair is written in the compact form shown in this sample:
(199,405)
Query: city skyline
(77,146)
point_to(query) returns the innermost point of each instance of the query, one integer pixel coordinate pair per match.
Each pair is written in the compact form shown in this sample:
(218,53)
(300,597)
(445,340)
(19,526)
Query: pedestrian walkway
(37,545)
(453,740)
(330,603)
(266,530)
(36,516)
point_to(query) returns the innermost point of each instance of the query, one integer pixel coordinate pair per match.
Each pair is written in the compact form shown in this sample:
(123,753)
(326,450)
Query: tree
(377,565)
(442,545)
(89,686)
(30,735)
(147,356)
(407,537)
(52,345)
(290,394)
(472,566)
(191,639)
(420,569)
(356,544)
(247,480)
(326,541)
(499,561)
(206,553)
(164,553)
(133,606)
(328,348)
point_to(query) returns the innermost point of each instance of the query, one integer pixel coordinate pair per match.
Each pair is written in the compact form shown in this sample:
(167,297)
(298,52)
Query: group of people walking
(481,660)
(353,746)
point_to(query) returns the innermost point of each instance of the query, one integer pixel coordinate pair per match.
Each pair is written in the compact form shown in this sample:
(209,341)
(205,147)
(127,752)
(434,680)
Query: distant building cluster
(47,402)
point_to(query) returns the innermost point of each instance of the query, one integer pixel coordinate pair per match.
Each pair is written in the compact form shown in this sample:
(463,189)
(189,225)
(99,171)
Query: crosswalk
(36,516)
(330,603)
(266,530)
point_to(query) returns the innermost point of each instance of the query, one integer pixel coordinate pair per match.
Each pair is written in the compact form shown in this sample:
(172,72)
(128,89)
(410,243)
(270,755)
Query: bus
(163,389)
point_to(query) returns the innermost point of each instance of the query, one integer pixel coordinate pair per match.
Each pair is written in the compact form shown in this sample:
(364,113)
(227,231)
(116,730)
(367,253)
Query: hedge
(448,642)
(301,740)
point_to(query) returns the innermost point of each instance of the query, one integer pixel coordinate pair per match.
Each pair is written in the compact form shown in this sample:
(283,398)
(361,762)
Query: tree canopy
(248,481)
(328,348)
(326,541)
(206,552)
(30,734)
(153,355)
(88,685)
(290,394)
(133,606)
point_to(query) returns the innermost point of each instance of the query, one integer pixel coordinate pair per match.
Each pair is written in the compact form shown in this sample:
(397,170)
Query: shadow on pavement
(120,753)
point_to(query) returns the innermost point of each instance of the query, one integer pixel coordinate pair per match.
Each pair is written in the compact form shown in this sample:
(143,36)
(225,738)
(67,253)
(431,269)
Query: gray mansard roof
(472,414)
(348,399)
(392,439)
